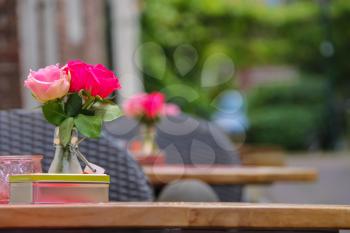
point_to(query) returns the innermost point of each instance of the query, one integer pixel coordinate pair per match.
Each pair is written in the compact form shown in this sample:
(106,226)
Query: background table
(109,216)
(163,174)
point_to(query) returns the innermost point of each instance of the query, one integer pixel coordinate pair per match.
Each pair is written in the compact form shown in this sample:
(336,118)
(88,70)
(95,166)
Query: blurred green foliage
(251,33)
(290,115)
(248,31)
(290,127)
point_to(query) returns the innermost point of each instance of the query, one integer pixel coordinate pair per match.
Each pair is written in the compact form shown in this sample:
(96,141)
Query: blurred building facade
(9,57)
(37,33)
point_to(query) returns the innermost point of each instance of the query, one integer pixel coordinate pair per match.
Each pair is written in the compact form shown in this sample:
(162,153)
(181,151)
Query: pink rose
(153,105)
(150,106)
(96,79)
(48,83)
(133,107)
(172,110)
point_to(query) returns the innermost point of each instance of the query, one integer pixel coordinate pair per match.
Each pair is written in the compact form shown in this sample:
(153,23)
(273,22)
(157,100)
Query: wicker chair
(187,140)
(26,132)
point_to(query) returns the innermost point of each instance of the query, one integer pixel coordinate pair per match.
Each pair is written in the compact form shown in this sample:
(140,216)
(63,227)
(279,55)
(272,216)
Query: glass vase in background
(16,164)
(149,146)
(144,147)
(65,159)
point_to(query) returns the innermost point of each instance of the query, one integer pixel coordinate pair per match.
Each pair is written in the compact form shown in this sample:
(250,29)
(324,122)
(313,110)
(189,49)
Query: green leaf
(66,130)
(53,112)
(87,112)
(89,126)
(104,101)
(108,112)
(73,105)
(85,93)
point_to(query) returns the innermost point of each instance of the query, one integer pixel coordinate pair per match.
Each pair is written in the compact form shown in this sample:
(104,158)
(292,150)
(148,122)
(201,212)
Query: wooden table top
(229,174)
(184,215)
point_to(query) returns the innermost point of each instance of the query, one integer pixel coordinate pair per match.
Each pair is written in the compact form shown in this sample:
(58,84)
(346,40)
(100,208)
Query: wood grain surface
(169,215)
(229,174)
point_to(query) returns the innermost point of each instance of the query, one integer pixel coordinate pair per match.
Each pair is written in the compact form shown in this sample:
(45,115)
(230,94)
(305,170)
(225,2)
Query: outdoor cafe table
(176,217)
(223,175)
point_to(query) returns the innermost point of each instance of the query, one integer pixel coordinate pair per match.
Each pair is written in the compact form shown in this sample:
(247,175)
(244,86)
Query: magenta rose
(48,83)
(153,105)
(96,79)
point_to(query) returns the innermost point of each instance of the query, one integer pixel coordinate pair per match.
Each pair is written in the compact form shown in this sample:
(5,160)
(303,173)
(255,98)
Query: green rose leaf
(108,112)
(73,105)
(53,113)
(89,126)
(104,101)
(66,130)
(87,112)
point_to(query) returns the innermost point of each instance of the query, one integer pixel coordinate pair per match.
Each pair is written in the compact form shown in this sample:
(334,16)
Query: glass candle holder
(16,164)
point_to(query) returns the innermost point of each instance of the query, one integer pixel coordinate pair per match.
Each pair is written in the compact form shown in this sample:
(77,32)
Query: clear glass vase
(16,164)
(65,159)
(144,148)
(148,135)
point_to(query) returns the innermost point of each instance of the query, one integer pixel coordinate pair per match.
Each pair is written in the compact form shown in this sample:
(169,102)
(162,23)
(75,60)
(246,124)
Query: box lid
(66,178)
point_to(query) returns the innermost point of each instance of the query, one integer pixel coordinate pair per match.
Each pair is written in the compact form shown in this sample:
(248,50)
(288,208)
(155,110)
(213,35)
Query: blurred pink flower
(96,79)
(172,110)
(48,83)
(133,107)
(149,107)
(154,104)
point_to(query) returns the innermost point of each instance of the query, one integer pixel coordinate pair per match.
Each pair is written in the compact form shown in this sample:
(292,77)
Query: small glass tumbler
(16,164)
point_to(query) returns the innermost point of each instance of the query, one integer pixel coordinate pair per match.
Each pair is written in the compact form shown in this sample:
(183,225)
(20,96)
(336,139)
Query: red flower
(149,107)
(154,104)
(96,79)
